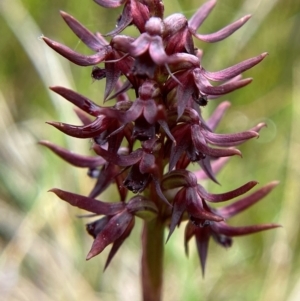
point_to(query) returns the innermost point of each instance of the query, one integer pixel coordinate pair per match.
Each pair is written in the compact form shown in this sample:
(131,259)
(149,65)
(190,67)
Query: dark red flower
(145,142)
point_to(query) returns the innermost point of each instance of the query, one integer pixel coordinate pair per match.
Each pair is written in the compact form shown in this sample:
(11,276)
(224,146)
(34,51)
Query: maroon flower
(145,141)
(220,231)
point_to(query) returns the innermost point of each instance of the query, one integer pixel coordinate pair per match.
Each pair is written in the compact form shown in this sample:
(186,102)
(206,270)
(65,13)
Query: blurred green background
(43,244)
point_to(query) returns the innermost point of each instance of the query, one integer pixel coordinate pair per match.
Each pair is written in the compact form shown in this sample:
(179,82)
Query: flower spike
(145,142)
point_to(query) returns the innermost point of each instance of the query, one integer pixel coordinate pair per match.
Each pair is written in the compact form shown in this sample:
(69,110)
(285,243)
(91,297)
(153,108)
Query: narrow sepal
(91,130)
(159,191)
(124,20)
(197,209)
(88,38)
(112,76)
(87,203)
(179,206)
(215,198)
(206,88)
(224,32)
(229,139)
(207,169)
(235,70)
(74,159)
(202,242)
(217,115)
(201,14)
(121,160)
(110,3)
(247,201)
(200,144)
(118,243)
(78,100)
(75,57)
(107,175)
(215,165)
(239,231)
(112,231)
(188,234)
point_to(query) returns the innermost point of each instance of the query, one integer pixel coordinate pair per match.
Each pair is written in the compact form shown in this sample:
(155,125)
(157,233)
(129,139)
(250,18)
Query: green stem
(152,260)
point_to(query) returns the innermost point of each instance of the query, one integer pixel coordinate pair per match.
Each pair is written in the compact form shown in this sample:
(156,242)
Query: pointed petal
(196,209)
(112,76)
(165,127)
(118,243)
(224,32)
(87,131)
(123,191)
(121,160)
(123,112)
(200,144)
(189,231)
(179,206)
(239,231)
(177,150)
(124,20)
(259,126)
(74,159)
(106,177)
(201,14)
(216,166)
(206,88)
(120,92)
(78,100)
(183,95)
(87,203)
(202,242)
(207,169)
(158,189)
(217,115)
(75,57)
(110,3)
(113,230)
(247,201)
(229,139)
(87,37)
(235,70)
(216,198)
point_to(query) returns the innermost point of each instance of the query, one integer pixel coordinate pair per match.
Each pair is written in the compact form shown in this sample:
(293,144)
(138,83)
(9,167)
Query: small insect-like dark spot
(201,100)
(93,172)
(98,73)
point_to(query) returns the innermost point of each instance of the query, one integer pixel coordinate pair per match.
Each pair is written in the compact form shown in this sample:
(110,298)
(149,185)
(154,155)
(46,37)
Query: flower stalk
(146,144)
(153,241)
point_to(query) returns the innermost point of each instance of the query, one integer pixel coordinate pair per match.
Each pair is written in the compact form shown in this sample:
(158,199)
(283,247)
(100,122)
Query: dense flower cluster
(146,144)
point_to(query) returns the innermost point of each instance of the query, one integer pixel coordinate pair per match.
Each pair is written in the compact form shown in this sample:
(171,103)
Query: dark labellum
(223,240)
(199,222)
(136,181)
(201,100)
(98,73)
